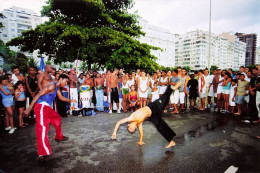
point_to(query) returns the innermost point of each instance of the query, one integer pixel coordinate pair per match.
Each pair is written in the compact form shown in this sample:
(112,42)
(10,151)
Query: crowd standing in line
(236,93)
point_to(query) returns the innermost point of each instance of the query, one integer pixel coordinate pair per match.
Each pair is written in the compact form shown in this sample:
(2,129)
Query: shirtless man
(45,77)
(73,88)
(99,84)
(113,88)
(154,112)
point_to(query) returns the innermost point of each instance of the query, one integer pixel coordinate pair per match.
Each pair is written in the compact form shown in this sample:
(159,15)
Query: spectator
(99,84)
(242,86)
(7,99)
(233,91)
(193,94)
(20,102)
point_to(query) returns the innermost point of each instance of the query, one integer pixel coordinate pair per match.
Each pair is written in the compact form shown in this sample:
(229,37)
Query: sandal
(237,114)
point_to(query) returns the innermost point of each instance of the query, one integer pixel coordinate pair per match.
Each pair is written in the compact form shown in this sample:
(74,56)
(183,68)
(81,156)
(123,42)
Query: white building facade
(192,49)
(162,38)
(257,56)
(16,21)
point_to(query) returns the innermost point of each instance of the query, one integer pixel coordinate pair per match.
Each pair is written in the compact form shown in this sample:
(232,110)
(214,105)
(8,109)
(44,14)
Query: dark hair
(15,67)
(17,83)
(176,71)
(241,74)
(234,80)
(228,74)
(192,76)
(63,76)
(242,67)
(164,71)
(5,77)
(195,72)
(201,71)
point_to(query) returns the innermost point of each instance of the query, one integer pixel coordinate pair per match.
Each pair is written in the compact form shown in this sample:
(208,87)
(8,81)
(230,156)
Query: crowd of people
(228,91)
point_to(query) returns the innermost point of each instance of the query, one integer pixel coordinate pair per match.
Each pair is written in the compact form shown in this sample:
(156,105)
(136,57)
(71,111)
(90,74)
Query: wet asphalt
(205,142)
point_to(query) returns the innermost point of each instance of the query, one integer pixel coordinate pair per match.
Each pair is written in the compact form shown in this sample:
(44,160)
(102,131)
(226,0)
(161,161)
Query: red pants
(45,115)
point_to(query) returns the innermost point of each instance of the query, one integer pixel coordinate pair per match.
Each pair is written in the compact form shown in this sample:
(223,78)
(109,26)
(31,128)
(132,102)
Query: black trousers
(157,108)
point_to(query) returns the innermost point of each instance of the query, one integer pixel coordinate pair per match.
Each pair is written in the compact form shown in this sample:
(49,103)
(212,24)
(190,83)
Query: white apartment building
(16,21)
(257,56)
(192,49)
(162,38)
(234,50)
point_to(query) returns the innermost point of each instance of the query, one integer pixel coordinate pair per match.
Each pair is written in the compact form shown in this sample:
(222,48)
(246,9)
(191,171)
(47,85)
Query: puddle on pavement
(202,130)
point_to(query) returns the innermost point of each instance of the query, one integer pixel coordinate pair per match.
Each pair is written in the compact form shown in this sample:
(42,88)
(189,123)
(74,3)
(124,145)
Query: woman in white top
(143,85)
(163,82)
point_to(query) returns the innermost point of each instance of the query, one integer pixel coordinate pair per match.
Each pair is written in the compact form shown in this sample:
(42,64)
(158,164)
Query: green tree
(99,31)
(83,66)
(213,67)
(33,63)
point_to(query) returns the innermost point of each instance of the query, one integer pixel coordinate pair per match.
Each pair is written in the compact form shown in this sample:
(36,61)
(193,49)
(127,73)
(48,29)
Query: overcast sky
(181,16)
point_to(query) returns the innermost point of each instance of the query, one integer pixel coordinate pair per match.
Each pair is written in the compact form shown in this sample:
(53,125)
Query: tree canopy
(95,31)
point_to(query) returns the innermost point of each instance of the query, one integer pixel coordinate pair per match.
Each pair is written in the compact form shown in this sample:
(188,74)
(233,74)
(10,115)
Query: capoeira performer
(154,112)
(45,115)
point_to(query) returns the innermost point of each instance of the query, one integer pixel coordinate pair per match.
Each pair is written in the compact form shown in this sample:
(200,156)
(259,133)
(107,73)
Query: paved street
(205,142)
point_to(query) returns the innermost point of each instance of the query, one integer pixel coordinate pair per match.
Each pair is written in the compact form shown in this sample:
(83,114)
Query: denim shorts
(7,102)
(239,99)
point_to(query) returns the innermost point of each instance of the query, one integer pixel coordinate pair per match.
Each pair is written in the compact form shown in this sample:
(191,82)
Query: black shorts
(20,104)
(114,95)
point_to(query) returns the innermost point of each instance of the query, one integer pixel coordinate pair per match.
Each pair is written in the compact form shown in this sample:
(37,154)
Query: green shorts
(125,91)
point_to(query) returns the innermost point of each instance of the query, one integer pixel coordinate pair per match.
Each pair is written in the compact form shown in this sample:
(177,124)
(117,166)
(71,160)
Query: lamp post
(209,36)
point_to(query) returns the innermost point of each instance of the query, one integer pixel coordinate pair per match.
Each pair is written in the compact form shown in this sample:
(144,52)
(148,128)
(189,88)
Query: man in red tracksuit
(45,115)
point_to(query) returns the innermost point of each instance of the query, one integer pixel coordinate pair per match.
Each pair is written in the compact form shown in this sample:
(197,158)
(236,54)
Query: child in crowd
(106,104)
(20,102)
(233,90)
(133,98)
(193,91)
(242,86)
(7,99)
(155,93)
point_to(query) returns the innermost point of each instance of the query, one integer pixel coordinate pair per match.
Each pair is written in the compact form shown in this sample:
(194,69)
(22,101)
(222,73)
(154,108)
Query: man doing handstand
(154,112)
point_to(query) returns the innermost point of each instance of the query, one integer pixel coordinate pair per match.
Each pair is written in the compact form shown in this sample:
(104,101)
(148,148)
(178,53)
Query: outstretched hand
(113,137)
(73,101)
(140,143)
(26,112)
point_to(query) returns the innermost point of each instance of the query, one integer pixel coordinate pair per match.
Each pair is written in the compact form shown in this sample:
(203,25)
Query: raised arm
(122,121)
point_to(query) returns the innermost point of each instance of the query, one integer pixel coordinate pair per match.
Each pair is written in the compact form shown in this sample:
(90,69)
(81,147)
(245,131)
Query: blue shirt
(49,98)
(6,90)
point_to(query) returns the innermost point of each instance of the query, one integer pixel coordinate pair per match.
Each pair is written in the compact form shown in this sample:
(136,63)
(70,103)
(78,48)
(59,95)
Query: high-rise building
(250,40)
(15,21)
(162,38)
(192,49)
(257,58)
(235,51)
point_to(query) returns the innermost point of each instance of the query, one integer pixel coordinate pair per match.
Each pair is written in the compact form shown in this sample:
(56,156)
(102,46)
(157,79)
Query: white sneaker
(110,112)
(118,111)
(8,128)
(11,131)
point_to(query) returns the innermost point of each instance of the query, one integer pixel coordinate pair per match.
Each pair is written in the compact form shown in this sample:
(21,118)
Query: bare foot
(258,137)
(171,144)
